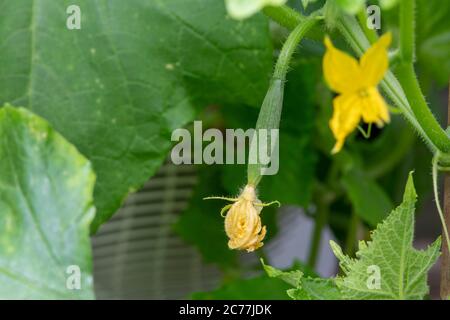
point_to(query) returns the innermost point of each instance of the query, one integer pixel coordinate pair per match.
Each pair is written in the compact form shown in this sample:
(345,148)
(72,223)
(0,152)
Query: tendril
(436,198)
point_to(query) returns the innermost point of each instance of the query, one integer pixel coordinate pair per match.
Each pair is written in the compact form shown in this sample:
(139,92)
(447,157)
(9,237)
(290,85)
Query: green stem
(270,112)
(408,80)
(423,114)
(289,47)
(289,18)
(284,16)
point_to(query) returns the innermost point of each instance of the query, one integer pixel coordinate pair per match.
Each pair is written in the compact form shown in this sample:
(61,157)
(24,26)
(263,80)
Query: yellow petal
(374,109)
(341,71)
(375,61)
(258,241)
(346,116)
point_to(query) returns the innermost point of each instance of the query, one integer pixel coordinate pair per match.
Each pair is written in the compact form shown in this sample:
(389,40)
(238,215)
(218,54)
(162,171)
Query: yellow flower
(243,222)
(356,84)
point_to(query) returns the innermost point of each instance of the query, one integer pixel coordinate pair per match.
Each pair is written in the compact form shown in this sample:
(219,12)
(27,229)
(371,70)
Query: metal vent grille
(137,255)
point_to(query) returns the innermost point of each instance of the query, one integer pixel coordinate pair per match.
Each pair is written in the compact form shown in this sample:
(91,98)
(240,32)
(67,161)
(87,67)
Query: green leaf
(117,87)
(369,200)
(46,208)
(316,289)
(305,288)
(258,288)
(291,277)
(402,269)
(241,9)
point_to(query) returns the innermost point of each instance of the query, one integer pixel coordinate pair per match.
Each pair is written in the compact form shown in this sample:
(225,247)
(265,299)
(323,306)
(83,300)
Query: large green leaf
(389,256)
(46,207)
(117,87)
